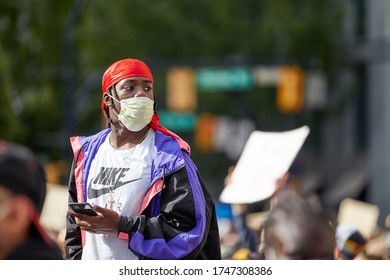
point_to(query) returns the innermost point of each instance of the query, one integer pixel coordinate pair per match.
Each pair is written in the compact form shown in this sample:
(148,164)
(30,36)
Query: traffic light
(181,90)
(289,96)
(204,133)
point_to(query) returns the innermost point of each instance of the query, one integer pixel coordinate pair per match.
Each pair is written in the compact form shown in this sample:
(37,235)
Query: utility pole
(67,71)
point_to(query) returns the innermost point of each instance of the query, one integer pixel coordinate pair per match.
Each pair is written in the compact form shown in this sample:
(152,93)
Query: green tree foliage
(43,41)
(30,55)
(204,28)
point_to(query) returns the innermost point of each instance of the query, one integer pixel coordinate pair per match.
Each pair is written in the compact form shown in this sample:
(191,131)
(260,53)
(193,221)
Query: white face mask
(135,112)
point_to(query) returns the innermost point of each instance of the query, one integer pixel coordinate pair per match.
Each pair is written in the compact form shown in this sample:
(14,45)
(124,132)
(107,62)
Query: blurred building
(355,151)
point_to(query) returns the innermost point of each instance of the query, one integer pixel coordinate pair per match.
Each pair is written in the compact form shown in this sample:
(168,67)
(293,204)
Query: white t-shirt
(127,174)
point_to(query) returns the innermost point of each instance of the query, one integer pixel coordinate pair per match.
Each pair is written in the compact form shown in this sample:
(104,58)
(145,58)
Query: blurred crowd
(291,225)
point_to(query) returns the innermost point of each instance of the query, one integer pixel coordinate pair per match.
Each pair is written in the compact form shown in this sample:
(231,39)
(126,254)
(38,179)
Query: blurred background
(222,69)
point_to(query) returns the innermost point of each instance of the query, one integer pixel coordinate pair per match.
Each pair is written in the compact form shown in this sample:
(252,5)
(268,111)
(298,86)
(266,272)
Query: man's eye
(129,88)
(148,88)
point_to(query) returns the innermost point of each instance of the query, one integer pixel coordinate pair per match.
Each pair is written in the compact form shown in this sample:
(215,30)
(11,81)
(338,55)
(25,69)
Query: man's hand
(106,221)
(280,185)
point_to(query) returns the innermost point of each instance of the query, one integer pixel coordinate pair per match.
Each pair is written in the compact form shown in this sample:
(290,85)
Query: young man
(139,177)
(22,194)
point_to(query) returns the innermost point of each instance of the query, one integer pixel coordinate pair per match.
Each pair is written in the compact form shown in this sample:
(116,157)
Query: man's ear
(107,100)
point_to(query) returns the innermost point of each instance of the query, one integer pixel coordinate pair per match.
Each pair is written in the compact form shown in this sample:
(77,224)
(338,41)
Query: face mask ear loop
(154,104)
(106,113)
(112,90)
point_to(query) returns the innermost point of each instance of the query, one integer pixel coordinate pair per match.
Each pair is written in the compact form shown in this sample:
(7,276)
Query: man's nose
(141,92)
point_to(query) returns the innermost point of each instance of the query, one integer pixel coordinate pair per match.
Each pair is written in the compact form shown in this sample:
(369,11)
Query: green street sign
(177,121)
(218,79)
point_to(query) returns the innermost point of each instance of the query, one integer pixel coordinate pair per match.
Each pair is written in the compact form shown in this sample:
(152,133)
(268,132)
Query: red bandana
(129,67)
(122,69)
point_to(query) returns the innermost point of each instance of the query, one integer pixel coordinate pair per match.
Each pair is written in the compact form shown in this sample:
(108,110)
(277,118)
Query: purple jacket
(177,219)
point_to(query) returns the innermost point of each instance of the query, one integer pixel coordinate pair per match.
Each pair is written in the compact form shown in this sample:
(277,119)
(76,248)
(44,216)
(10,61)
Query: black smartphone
(82,208)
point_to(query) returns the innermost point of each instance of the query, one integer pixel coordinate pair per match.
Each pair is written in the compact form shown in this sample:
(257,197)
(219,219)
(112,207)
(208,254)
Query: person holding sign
(261,173)
(248,238)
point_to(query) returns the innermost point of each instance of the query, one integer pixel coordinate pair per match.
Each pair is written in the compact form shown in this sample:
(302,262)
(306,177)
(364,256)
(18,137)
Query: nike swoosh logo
(94,193)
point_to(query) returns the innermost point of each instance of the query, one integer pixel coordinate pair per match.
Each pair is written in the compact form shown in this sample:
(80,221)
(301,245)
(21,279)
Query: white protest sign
(265,158)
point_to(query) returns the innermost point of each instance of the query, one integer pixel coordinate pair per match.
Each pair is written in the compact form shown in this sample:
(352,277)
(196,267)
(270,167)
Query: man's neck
(121,138)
